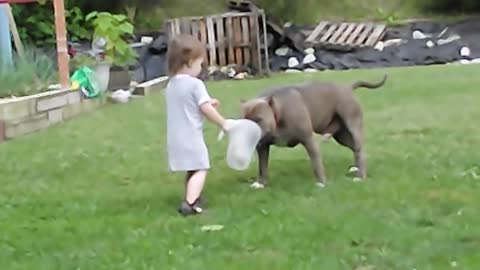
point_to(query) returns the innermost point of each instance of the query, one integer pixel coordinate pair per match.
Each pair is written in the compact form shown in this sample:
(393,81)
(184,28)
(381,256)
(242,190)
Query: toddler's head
(185,55)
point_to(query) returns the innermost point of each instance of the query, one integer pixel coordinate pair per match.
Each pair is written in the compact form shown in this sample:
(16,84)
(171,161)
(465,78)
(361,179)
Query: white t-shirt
(186,147)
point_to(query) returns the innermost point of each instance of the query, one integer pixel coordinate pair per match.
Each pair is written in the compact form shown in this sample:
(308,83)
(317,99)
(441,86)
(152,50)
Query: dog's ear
(271,102)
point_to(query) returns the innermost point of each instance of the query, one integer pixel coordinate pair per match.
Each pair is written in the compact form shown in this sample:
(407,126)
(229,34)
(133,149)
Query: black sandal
(187,209)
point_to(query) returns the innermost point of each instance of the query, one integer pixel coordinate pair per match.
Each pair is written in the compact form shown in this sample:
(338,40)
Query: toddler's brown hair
(182,49)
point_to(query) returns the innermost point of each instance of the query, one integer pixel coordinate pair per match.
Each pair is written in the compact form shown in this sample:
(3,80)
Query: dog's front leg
(316,160)
(263,152)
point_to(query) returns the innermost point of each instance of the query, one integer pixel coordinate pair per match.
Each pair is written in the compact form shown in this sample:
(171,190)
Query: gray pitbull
(291,115)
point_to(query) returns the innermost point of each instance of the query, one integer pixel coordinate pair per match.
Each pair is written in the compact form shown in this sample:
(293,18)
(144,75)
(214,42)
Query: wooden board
(355,33)
(376,35)
(347,35)
(238,40)
(338,33)
(329,32)
(230,38)
(195,29)
(211,41)
(221,42)
(246,41)
(253,21)
(363,36)
(313,36)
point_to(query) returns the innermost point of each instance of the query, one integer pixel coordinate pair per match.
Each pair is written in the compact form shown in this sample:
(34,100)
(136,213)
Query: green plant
(28,76)
(36,23)
(113,28)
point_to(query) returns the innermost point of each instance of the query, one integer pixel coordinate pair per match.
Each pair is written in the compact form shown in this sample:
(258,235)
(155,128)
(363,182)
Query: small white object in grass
(212,228)
(430,44)
(309,51)
(257,185)
(309,58)
(464,61)
(320,185)
(353,169)
(310,70)
(454,264)
(465,51)
(293,62)
(121,96)
(357,179)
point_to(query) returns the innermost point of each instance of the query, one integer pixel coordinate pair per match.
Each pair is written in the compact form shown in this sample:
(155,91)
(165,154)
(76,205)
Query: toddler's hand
(229,123)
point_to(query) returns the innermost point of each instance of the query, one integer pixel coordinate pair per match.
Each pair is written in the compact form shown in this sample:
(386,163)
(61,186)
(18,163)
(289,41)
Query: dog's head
(261,111)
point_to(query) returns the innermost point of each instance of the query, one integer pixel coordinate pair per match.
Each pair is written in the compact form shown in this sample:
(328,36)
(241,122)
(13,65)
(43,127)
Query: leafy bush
(28,76)
(113,28)
(36,22)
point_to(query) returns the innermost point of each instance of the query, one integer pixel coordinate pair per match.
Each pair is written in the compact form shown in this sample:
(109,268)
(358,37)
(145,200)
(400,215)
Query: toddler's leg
(194,186)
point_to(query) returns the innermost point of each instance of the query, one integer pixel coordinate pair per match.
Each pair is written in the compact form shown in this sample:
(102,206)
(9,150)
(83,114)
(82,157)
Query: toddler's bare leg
(195,185)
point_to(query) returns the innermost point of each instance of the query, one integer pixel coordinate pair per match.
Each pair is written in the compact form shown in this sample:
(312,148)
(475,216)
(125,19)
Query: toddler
(187,103)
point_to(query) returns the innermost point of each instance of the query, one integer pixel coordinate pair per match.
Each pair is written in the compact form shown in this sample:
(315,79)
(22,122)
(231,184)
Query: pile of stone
(416,43)
(421,43)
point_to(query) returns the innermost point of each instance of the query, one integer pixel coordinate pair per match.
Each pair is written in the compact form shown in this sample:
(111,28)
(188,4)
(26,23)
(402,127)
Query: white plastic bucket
(243,137)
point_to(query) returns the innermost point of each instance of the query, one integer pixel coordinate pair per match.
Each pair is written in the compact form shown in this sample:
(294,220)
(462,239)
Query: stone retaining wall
(25,115)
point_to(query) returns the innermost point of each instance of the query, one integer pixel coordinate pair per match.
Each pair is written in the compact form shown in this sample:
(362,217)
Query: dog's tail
(370,85)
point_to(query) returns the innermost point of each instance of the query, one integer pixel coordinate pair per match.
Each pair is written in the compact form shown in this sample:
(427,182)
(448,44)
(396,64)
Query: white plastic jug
(243,137)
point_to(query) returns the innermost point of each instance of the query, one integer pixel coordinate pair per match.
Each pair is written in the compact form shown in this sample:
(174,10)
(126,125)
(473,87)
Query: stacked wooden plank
(229,38)
(346,35)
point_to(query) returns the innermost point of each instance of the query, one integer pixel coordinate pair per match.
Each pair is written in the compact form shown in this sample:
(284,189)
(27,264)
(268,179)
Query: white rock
(293,62)
(465,62)
(293,71)
(465,51)
(448,40)
(391,42)
(379,46)
(310,70)
(309,58)
(309,51)
(146,39)
(282,51)
(475,61)
(418,35)
(231,72)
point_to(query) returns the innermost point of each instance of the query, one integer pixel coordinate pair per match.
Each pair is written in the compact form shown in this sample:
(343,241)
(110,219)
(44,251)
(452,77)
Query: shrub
(28,76)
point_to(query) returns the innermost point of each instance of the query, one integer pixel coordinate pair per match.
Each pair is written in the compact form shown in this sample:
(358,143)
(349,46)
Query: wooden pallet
(229,38)
(346,35)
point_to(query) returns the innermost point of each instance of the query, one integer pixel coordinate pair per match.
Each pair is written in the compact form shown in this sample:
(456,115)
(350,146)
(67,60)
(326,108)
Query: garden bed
(23,115)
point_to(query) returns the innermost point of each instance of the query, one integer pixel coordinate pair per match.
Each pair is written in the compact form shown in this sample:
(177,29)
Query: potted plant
(109,35)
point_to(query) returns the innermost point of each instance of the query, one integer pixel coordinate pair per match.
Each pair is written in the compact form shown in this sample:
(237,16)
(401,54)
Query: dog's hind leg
(316,160)
(351,136)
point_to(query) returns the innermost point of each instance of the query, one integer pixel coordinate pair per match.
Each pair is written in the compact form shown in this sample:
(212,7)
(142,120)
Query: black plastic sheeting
(410,52)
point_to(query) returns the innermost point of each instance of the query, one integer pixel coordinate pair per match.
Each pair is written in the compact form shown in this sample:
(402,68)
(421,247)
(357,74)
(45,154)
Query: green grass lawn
(95,193)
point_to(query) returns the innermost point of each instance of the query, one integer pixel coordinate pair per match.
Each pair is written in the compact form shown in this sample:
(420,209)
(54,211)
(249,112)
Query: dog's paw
(353,169)
(320,185)
(357,179)
(257,185)
(326,137)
